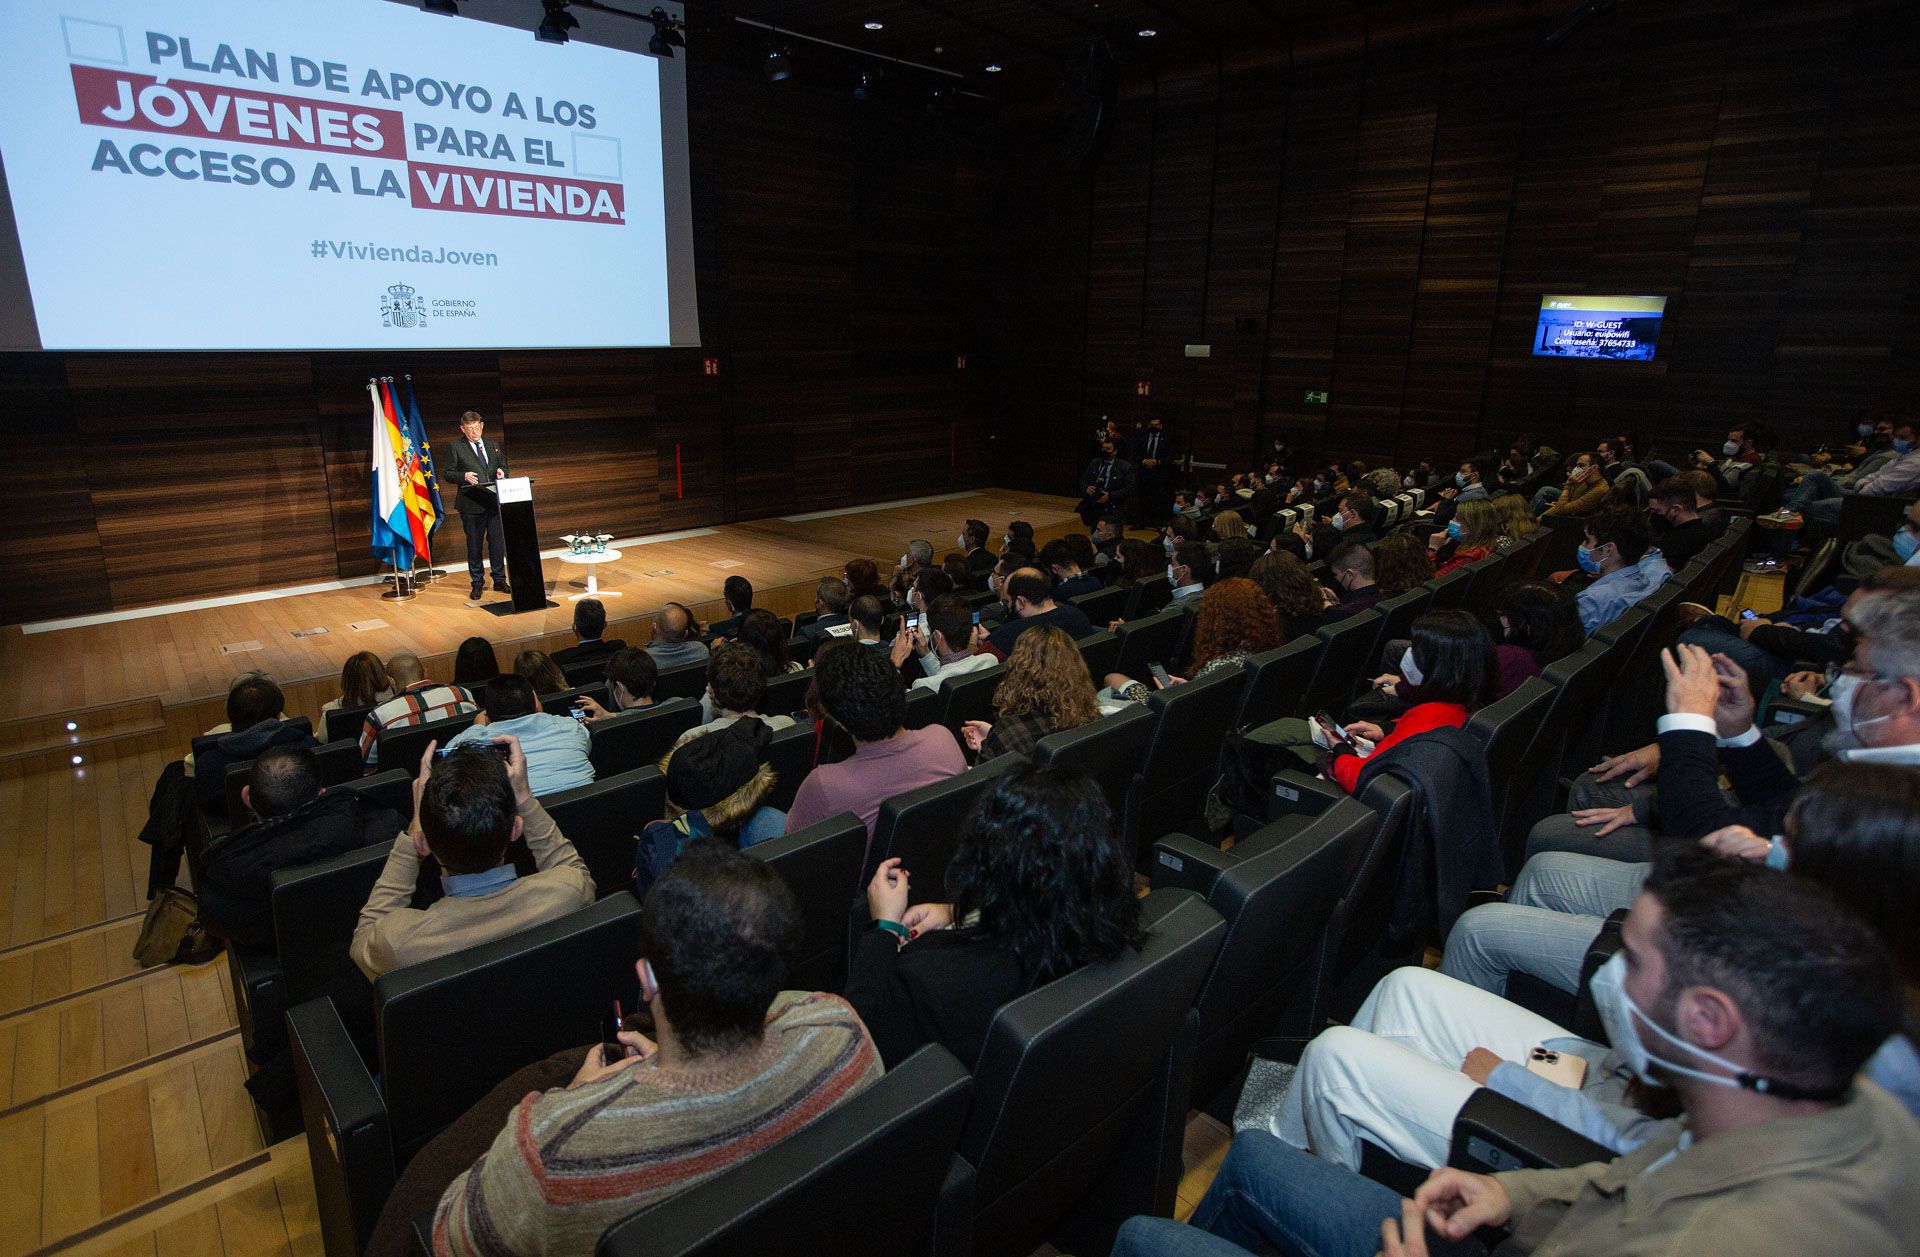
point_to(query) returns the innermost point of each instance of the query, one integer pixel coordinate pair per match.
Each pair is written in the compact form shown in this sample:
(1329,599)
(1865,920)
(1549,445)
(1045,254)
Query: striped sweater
(572,1162)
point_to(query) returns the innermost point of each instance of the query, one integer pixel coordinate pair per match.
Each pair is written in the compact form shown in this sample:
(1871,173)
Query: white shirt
(938,672)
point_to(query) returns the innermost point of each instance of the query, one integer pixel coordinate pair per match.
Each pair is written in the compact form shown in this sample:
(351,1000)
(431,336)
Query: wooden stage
(186,656)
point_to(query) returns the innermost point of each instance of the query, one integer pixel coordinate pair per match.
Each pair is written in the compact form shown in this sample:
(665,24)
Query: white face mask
(1171,577)
(1409,669)
(1730,448)
(1845,691)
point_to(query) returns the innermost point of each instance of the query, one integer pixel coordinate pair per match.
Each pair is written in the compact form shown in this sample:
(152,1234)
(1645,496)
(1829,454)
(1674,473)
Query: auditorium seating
(447,1031)
(1505,730)
(1170,786)
(1277,898)
(586,671)
(1397,615)
(1103,606)
(790,753)
(1150,640)
(921,827)
(339,763)
(392,789)
(1080,1095)
(1109,750)
(1148,596)
(1343,664)
(787,694)
(969,697)
(1102,652)
(563,702)
(1275,680)
(603,818)
(821,864)
(689,680)
(869,1174)
(401,746)
(344,722)
(639,737)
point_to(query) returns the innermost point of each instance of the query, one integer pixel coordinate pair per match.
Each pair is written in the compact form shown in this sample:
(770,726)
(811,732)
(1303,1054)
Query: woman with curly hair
(1468,537)
(1399,563)
(1039,887)
(1046,689)
(538,667)
(1235,621)
(1298,599)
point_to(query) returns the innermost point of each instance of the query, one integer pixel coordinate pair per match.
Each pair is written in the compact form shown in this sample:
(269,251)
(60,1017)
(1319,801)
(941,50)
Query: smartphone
(1332,729)
(1563,1068)
(912,623)
(578,713)
(1748,614)
(498,748)
(976,618)
(1160,674)
(611,1048)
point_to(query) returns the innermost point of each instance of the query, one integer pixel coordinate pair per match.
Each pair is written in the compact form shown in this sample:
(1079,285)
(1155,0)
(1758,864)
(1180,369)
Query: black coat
(602,649)
(212,756)
(1119,486)
(1690,802)
(942,988)
(235,869)
(1451,846)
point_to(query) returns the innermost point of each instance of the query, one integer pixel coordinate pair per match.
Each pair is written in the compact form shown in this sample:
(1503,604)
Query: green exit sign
(1316,397)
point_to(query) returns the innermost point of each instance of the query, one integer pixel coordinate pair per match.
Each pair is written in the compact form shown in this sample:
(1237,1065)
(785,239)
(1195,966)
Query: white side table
(593,589)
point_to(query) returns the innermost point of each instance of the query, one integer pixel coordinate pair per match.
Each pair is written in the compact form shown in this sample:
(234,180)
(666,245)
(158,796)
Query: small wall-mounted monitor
(1581,326)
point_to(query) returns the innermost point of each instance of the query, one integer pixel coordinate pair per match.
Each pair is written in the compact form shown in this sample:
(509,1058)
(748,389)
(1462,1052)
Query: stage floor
(187,653)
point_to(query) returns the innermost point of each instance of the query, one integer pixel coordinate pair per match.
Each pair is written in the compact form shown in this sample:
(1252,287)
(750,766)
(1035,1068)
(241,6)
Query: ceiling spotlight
(79,760)
(666,34)
(876,26)
(993,68)
(450,7)
(554,26)
(779,65)
(1148,32)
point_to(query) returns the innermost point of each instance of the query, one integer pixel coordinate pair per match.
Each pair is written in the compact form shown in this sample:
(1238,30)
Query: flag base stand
(402,587)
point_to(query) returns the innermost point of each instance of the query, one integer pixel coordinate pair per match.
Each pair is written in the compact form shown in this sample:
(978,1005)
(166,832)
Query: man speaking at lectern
(473,463)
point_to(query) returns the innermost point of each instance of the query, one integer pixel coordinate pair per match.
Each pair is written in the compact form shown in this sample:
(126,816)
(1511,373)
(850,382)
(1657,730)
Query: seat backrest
(451,1029)
(1192,721)
(344,722)
(603,818)
(391,788)
(1148,596)
(586,671)
(787,694)
(969,697)
(1068,1072)
(922,827)
(1110,750)
(1367,902)
(341,761)
(636,738)
(821,864)
(400,746)
(687,680)
(791,755)
(315,910)
(1577,681)
(1101,651)
(1450,591)
(1152,639)
(1103,606)
(1343,664)
(561,702)
(1276,679)
(1276,905)
(1505,730)
(820,1181)
(1488,577)
(1397,615)
(1524,560)
(923,708)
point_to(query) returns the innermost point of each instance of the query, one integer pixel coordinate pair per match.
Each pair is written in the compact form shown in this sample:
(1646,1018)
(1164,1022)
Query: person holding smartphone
(945,643)
(556,746)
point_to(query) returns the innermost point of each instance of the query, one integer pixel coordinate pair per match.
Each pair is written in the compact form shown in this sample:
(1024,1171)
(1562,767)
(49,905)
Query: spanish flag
(392,537)
(413,485)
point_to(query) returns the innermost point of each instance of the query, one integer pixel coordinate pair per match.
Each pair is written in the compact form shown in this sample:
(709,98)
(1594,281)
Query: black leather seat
(447,1035)
(400,746)
(1343,664)
(1276,679)
(1148,596)
(1450,591)
(1505,730)
(562,702)
(688,680)
(315,910)
(821,864)
(1168,791)
(586,671)
(392,788)
(1103,606)
(1102,652)
(603,818)
(969,697)
(636,738)
(1397,615)
(787,694)
(1152,639)
(1578,680)
(1110,750)
(922,827)
(1277,901)
(826,1180)
(344,722)
(923,708)
(1485,579)
(1080,1095)
(791,755)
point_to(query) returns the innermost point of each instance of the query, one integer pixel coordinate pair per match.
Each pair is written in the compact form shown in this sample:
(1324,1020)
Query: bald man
(416,700)
(674,641)
(1029,595)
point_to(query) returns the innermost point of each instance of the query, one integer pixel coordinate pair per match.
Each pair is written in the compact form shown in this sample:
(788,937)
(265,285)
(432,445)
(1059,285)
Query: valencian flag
(392,535)
(417,432)
(413,487)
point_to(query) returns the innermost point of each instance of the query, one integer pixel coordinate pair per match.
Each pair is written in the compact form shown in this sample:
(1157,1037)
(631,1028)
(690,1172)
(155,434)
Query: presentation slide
(1598,327)
(353,174)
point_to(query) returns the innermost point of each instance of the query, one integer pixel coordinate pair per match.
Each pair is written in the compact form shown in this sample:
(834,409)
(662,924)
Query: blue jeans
(1817,497)
(1269,1192)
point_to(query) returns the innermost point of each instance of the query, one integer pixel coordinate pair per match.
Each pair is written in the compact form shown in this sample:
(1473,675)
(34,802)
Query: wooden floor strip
(124,1217)
(149,1063)
(64,935)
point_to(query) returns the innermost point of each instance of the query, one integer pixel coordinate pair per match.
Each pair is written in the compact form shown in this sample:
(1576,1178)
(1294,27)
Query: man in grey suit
(473,463)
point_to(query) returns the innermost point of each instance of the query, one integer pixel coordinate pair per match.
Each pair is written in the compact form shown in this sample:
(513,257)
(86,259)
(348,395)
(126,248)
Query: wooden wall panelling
(1179,239)
(51,560)
(206,471)
(1245,205)
(581,423)
(1117,250)
(1465,238)
(970,274)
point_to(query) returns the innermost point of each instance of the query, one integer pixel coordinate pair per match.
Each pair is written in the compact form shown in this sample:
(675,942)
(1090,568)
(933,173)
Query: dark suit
(1112,479)
(479,506)
(1155,497)
(599,648)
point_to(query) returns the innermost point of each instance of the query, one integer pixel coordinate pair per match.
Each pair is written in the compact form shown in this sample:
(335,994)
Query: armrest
(423,1233)
(1493,1134)
(263,1000)
(1188,864)
(1295,793)
(348,1140)
(1586,1018)
(1793,711)
(952,1232)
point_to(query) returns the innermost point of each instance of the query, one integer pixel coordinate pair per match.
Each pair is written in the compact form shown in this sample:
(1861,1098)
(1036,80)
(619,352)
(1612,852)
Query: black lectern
(523,543)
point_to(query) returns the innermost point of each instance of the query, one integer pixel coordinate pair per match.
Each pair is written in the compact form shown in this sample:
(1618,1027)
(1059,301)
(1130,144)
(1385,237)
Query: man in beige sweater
(468,807)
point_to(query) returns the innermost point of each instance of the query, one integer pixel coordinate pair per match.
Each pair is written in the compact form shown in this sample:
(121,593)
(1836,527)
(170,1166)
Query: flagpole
(402,590)
(429,573)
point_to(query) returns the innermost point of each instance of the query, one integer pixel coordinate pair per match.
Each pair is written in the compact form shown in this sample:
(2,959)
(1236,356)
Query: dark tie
(480,452)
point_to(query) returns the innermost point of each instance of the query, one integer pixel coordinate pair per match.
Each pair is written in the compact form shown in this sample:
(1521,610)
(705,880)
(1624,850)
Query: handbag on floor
(172,931)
